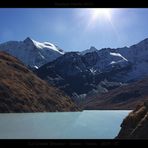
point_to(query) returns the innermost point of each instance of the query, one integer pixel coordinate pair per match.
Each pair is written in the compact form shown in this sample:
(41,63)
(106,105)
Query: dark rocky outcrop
(135,125)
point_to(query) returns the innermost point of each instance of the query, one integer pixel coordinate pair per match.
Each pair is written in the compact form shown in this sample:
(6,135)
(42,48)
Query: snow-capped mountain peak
(47,45)
(44,45)
(32,53)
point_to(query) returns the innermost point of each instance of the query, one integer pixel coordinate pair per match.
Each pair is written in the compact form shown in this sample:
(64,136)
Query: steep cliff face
(135,125)
(22,91)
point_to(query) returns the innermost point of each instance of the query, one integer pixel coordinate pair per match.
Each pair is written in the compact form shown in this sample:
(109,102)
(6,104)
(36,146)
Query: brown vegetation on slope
(22,91)
(135,125)
(124,97)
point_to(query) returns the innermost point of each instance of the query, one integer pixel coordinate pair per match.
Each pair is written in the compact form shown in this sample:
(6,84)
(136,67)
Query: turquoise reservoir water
(62,125)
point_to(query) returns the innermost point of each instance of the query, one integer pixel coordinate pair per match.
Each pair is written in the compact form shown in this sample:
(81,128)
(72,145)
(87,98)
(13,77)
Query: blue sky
(74,29)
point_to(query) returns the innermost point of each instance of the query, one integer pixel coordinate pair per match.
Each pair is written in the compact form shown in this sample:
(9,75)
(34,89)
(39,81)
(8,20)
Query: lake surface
(62,125)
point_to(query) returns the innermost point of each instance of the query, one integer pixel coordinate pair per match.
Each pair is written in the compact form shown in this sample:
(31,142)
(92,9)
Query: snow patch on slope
(118,55)
(46,45)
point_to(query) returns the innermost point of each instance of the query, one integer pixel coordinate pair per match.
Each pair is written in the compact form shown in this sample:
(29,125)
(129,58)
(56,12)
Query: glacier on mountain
(31,52)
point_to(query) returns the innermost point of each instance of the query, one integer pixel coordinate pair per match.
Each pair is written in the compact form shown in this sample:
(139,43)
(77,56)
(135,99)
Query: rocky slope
(107,59)
(67,72)
(22,91)
(32,53)
(133,59)
(72,74)
(135,125)
(81,74)
(123,97)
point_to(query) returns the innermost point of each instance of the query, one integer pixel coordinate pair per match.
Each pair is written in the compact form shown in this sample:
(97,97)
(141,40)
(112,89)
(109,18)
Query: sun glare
(97,13)
(93,18)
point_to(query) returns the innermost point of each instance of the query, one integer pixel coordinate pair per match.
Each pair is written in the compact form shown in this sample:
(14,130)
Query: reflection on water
(61,125)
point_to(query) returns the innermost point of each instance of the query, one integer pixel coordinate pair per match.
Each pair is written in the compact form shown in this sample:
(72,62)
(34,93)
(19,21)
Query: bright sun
(96,17)
(97,13)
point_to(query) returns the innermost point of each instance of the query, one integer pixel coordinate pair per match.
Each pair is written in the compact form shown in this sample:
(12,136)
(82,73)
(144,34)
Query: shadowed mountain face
(86,75)
(124,97)
(135,125)
(22,91)
(72,73)
(92,89)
